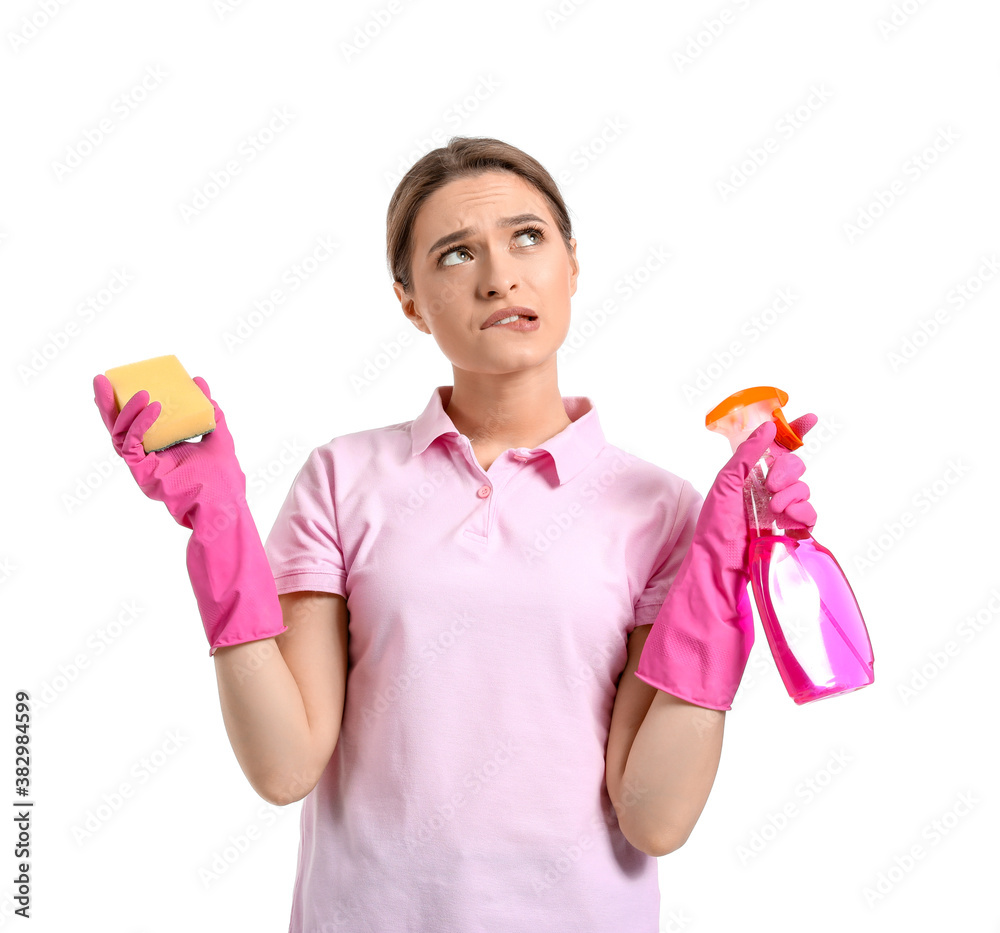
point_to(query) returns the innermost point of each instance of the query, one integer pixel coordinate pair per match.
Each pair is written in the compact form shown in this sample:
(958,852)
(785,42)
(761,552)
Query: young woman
(443,644)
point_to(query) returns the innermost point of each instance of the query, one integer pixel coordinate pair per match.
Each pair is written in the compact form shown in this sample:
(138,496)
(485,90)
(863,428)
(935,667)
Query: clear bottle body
(808,610)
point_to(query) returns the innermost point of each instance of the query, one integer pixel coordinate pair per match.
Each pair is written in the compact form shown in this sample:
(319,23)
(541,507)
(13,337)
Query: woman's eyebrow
(514,221)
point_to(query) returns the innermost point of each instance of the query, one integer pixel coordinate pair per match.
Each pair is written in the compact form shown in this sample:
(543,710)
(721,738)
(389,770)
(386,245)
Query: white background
(643,114)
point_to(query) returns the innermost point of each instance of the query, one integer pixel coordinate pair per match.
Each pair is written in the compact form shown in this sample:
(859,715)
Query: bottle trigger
(785,435)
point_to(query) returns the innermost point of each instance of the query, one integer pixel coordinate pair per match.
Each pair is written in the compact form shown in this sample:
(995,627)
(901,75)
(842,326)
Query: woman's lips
(506,312)
(522,323)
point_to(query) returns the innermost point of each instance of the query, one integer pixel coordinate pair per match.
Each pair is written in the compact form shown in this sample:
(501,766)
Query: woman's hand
(204,489)
(181,476)
(790,499)
(701,638)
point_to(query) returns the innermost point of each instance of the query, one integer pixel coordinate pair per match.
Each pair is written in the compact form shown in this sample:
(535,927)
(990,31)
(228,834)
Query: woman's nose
(497,273)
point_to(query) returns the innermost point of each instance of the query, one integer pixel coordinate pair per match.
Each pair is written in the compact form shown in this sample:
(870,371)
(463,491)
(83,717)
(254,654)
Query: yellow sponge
(185,411)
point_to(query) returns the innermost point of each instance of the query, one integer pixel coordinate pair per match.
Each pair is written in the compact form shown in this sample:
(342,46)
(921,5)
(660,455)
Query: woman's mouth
(516,322)
(502,317)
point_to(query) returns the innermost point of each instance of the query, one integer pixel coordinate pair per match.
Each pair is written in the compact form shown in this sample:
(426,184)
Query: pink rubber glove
(204,489)
(701,638)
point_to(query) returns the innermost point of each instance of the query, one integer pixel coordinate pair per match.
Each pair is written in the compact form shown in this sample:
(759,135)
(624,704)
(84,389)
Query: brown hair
(464,156)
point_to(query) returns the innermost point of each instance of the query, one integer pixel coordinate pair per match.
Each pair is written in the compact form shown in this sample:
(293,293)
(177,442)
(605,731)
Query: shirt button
(484,491)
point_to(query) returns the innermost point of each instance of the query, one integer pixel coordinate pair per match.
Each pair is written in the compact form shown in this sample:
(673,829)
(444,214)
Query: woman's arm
(283,697)
(662,757)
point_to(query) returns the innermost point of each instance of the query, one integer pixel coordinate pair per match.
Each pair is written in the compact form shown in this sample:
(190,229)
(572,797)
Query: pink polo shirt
(489,612)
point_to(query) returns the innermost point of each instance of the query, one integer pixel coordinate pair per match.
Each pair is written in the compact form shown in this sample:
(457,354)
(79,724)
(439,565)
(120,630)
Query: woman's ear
(409,307)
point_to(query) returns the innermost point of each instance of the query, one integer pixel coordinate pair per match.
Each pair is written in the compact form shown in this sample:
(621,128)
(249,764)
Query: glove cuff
(700,663)
(231,576)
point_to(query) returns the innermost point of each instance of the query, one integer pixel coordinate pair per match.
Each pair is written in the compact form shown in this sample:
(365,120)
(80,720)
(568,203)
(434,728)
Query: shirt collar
(571,449)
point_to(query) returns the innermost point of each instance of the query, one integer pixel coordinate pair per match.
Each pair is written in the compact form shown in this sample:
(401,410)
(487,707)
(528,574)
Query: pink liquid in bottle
(808,611)
(810,616)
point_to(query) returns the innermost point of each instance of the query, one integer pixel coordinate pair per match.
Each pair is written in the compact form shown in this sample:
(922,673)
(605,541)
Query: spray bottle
(807,608)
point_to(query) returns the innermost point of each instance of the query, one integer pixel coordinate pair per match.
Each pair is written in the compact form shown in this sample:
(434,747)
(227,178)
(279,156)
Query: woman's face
(472,256)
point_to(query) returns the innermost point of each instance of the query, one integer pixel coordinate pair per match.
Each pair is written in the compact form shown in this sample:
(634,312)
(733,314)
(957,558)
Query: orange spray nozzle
(743,412)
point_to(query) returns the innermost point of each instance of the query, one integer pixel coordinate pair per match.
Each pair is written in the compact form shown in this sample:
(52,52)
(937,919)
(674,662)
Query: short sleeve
(303,547)
(670,556)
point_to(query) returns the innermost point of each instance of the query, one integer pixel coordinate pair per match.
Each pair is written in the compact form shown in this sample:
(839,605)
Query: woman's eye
(458,250)
(444,258)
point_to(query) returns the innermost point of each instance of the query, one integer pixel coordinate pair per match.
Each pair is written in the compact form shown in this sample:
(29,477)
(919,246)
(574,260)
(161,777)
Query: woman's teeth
(506,320)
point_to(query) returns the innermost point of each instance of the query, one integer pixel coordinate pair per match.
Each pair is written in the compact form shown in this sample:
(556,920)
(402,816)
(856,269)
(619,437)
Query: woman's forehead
(458,203)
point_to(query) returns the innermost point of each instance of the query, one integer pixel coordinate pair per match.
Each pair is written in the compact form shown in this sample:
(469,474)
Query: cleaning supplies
(184,411)
(204,489)
(808,611)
